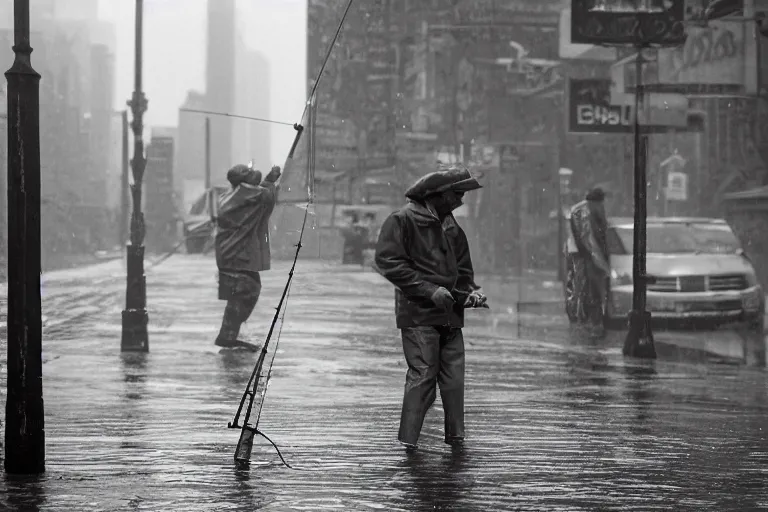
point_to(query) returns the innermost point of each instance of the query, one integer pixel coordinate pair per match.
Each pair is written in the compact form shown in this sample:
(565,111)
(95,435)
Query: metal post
(562,161)
(125,198)
(24,417)
(207,153)
(639,340)
(135,319)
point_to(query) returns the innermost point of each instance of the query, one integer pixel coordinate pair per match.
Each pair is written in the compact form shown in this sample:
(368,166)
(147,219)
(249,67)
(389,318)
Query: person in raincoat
(355,237)
(590,258)
(424,253)
(242,247)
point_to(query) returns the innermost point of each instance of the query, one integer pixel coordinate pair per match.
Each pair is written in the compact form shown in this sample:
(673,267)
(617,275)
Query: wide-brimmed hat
(456,178)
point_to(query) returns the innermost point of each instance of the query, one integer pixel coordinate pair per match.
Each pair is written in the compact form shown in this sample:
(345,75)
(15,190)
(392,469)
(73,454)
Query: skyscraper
(251,139)
(220,80)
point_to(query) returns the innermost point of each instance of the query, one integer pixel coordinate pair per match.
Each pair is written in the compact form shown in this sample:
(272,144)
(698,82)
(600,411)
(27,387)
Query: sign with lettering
(628,22)
(677,186)
(714,55)
(590,111)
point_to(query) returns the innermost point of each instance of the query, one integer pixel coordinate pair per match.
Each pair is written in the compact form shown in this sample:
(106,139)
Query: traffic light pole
(24,416)
(639,340)
(135,337)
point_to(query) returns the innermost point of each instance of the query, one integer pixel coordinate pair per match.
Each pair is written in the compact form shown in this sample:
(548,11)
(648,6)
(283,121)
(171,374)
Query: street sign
(677,186)
(570,50)
(622,22)
(590,111)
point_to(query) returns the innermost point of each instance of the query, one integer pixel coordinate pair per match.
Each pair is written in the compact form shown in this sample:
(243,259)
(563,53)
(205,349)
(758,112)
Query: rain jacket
(417,253)
(589,234)
(242,231)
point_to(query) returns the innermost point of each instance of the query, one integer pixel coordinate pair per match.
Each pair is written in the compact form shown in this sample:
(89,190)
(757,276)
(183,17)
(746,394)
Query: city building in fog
(220,80)
(190,148)
(237,82)
(251,139)
(74,52)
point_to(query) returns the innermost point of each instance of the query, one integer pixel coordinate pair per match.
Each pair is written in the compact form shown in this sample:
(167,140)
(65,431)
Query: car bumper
(723,307)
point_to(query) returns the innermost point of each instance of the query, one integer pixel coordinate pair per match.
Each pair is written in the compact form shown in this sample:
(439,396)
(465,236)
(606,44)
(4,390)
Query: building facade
(485,82)
(74,54)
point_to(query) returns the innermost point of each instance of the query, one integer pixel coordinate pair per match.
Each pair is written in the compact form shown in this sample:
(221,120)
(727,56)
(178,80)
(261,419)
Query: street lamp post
(135,337)
(24,418)
(639,341)
(125,197)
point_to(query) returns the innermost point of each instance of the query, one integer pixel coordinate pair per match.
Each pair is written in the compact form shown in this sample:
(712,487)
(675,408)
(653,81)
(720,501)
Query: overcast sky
(174,55)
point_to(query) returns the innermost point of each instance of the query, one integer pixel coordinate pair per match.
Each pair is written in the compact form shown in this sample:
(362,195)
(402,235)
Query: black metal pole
(639,340)
(135,319)
(562,161)
(207,153)
(24,417)
(125,197)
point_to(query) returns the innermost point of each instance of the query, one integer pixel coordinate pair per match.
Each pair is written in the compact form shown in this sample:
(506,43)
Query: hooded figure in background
(590,259)
(425,254)
(242,247)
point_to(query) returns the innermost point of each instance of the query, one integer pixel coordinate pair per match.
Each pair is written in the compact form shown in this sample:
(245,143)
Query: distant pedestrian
(424,252)
(589,258)
(242,247)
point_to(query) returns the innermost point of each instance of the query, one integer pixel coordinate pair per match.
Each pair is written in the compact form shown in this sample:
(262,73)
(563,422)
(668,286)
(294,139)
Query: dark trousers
(435,356)
(591,286)
(241,291)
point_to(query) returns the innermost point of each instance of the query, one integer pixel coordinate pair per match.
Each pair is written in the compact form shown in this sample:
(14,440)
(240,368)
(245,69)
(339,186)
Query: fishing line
(282,305)
(225,114)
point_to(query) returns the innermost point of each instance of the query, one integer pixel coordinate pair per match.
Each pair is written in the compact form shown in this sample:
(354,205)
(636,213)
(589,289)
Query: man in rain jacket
(242,247)
(425,254)
(591,260)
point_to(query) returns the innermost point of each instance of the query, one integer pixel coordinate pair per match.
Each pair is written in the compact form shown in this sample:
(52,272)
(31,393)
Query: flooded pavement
(554,422)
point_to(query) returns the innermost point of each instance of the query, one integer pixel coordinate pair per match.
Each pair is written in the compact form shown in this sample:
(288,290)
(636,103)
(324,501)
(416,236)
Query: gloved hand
(476,299)
(443,298)
(274,173)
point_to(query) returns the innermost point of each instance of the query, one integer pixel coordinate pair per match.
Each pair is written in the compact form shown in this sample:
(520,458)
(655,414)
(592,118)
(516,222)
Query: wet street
(554,421)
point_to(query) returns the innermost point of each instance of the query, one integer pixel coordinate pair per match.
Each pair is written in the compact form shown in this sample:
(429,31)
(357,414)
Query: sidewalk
(551,426)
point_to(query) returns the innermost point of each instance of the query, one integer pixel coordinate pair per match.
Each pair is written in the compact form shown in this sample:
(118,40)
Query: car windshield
(675,238)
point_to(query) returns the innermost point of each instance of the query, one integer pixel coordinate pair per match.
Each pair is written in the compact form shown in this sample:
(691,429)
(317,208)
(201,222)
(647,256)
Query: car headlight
(751,279)
(752,302)
(620,279)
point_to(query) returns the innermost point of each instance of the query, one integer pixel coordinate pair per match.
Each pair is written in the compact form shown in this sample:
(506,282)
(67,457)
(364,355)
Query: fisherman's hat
(240,173)
(456,178)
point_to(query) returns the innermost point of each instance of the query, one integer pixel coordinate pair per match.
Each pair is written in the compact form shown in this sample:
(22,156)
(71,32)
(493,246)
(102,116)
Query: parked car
(698,274)
(198,226)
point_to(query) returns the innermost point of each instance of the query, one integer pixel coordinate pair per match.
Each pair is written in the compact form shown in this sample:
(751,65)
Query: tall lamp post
(24,428)
(135,337)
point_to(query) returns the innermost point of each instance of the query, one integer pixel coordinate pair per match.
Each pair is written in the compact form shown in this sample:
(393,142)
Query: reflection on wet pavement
(554,422)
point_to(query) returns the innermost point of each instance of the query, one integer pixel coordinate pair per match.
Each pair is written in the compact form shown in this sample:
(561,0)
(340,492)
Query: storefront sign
(623,22)
(590,111)
(714,55)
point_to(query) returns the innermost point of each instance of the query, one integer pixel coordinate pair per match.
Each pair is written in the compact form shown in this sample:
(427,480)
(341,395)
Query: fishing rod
(247,430)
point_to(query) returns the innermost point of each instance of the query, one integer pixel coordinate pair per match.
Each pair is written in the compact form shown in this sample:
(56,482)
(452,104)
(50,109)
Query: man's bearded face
(447,202)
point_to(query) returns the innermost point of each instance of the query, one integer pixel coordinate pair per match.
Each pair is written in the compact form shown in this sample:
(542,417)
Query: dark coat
(242,231)
(417,253)
(589,232)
